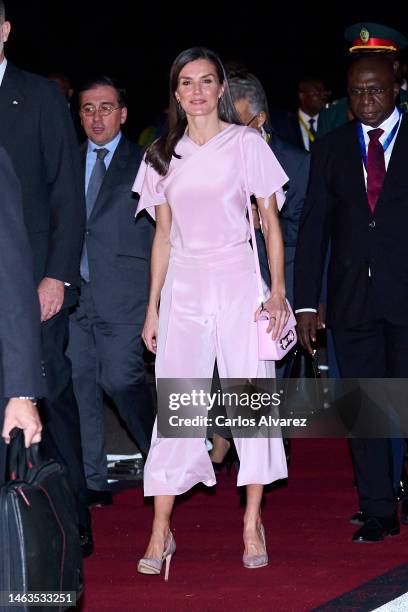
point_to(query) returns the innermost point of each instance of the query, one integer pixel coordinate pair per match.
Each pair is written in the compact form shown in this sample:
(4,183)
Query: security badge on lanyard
(386,144)
(310,135)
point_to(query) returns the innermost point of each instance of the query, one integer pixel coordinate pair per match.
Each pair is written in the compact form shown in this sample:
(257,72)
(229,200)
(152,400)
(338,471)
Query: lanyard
(265,135)
(311,137)
(386,144)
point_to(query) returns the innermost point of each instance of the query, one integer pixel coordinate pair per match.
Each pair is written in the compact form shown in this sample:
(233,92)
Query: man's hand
(306,329)
(23,414)
(51,296)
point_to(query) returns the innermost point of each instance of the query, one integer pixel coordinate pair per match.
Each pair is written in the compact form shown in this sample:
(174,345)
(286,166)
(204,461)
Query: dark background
(137,42)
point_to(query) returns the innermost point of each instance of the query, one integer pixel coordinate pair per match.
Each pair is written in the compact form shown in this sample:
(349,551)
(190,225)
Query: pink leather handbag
(268,349)
(275,350)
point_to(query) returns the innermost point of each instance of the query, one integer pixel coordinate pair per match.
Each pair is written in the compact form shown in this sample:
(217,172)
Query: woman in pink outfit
(203,276)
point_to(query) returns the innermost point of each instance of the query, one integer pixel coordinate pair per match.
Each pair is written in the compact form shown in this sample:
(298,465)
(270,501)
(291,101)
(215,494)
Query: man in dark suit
(362,38)
(251,103)
(300,129)
(37,133)
(105,340)
(296,164)
(358,198)
(21,380)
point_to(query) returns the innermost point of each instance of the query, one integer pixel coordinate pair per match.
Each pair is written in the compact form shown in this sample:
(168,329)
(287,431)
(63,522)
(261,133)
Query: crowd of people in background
(82,280)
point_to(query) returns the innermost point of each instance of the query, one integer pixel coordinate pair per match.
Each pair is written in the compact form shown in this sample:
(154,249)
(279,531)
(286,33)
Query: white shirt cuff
(305,310)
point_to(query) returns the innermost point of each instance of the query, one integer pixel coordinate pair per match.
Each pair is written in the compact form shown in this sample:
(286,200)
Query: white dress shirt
(387,126)
(306,119)
(3,67)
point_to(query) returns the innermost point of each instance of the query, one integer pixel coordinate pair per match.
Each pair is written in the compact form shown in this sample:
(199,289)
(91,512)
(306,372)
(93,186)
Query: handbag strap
(261,294)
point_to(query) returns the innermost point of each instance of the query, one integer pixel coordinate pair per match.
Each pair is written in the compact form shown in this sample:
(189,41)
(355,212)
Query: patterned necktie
(375,167)
(312,126)
(94,186)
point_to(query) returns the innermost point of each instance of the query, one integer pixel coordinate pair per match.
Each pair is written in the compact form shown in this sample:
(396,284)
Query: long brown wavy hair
(161,151)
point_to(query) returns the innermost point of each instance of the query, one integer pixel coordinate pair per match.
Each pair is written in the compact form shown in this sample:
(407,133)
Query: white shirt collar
(386,125)
(111,146)
(3,67)
(306,117)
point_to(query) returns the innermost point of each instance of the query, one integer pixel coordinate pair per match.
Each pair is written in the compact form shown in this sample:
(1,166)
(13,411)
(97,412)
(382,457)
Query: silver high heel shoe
(255,561)
(149,565)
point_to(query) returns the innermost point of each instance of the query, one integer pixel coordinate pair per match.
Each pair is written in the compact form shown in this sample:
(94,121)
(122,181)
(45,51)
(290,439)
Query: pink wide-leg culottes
(207,312)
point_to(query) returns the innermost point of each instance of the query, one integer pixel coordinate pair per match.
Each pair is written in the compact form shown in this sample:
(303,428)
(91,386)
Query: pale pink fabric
(209,296)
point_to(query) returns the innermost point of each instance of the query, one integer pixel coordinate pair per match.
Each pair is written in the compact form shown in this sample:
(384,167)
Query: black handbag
(40,549)
(302,387)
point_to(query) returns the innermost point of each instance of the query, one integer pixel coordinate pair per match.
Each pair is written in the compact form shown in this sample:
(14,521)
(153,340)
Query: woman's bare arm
(276,304)
(159,263)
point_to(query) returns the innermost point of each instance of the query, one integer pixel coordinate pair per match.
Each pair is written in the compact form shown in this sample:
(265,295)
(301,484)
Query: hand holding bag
(268,349)
(40,549)
(275,350)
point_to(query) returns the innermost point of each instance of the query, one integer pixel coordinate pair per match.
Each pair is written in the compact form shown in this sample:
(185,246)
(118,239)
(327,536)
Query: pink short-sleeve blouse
(205,189)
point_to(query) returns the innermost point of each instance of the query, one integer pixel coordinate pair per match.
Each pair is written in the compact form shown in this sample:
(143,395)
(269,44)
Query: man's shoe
(404,512)
(98,498)
(85,537)
(359,518)
(402,492)
(376,529)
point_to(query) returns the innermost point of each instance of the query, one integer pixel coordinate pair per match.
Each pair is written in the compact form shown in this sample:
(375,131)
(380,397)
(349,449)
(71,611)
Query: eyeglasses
(371,91)
(103,109)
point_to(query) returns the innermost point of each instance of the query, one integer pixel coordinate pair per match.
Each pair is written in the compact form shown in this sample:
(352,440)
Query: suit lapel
(280,150)
(299,134)
(354,166)
(83,149)
(397,166)
(117,165)
(12,100)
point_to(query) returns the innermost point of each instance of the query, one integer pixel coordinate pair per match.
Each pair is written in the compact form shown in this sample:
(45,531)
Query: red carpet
(312,559)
